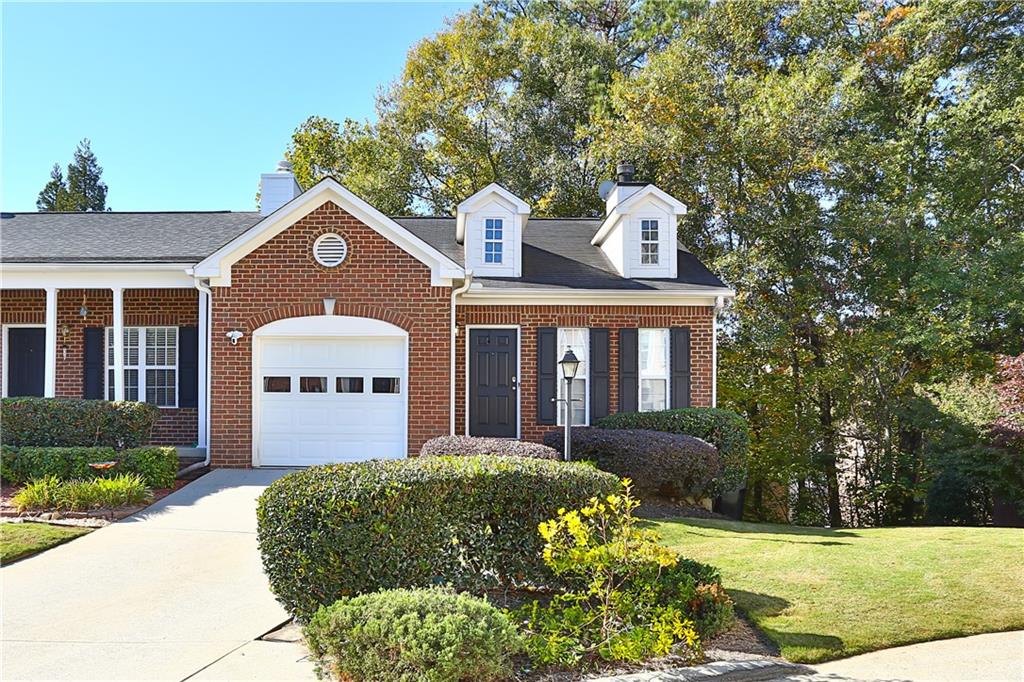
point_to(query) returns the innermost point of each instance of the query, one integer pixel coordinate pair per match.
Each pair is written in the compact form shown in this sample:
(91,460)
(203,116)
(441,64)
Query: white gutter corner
(466,283)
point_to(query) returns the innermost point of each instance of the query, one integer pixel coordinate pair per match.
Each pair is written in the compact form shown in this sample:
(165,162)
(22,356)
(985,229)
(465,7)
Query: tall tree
(83,190)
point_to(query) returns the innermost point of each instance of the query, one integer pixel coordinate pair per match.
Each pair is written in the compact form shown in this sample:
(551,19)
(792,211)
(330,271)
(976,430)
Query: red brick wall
(280,279)
(163,307)
(697,318)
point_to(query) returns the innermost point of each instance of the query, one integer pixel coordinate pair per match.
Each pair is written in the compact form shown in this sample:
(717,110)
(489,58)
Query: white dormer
(639,234)
(489,225)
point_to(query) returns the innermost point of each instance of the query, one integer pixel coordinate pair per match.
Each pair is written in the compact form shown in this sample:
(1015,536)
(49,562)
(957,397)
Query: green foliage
(666,464)
(63,422)
(157,466)
(421,635)
(626,598)
(335,531)
(52,494)
(724,429)
(83,191)
(461,446)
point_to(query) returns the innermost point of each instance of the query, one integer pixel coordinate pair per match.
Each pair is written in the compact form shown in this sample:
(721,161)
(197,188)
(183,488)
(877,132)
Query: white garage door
(330,400)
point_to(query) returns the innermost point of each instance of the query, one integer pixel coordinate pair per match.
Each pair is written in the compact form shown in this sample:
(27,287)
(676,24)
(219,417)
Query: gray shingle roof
(557,253)
(118,237)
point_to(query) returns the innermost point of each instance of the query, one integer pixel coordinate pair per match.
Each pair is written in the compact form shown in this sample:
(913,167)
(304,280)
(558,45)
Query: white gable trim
(217,266)
(515,205)
(650,191)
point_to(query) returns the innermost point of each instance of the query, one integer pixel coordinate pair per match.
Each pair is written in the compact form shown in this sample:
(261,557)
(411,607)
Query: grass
(19,540)
(826,594)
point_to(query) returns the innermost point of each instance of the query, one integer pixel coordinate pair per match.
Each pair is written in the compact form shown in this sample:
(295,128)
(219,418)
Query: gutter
(205,290)
(466,283)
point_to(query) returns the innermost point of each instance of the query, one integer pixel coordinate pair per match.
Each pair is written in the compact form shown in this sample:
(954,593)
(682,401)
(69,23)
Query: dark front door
(493,370)
(26,361)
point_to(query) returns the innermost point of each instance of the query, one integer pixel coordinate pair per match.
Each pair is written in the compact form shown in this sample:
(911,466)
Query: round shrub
(724,429)
(345,529)
(462,446)
(412,635)
(658,463)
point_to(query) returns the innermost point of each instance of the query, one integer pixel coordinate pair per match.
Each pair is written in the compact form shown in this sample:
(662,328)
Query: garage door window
(277,384)
(349,385)
(385,385)
(312,384)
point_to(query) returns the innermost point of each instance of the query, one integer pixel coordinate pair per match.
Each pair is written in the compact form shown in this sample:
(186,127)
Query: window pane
(131,384)
(579,341)
(277,384)
(161,345)
(653,393)
(131,346)
(385,384)
(349,385)
(312,384)
(654,352)
(110,384)
(161,387)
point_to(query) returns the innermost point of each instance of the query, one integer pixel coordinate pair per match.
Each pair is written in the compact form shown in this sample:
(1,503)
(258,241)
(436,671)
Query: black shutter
(629,370)
(599,373)
(679,354)
(547,374)
(188,367)
(93,385)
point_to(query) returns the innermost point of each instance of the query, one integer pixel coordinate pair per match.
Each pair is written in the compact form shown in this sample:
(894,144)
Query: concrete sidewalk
(161,595)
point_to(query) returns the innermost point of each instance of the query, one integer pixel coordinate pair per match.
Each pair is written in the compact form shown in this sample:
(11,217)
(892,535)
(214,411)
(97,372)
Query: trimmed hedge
(339,530)
(431,635)
(724,429)
(658,463)
(60,422)
(462,446)
(158,466)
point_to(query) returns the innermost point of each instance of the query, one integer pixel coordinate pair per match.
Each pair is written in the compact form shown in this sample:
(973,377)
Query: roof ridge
(220,211)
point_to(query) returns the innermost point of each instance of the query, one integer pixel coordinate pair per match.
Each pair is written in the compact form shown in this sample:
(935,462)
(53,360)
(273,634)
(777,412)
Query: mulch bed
(96,517)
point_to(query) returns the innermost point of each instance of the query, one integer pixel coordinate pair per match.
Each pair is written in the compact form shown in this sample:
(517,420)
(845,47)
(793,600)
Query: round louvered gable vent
(330,250)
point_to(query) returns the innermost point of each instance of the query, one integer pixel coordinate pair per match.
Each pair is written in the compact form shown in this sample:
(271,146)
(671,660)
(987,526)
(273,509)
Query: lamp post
(569,364)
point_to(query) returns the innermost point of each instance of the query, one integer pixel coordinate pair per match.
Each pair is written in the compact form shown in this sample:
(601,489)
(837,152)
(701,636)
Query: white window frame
(582,352)
(142,365)
(499,224)
(650,374)
(656,242)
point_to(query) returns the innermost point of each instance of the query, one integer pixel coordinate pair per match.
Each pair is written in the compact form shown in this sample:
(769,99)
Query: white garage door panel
(301,429)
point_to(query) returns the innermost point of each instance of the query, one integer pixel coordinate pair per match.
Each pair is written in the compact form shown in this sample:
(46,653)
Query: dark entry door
(26,361)
(493,370)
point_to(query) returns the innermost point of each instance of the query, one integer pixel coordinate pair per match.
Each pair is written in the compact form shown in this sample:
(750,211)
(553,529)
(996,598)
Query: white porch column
(118,332)
(50,372)
(204,332)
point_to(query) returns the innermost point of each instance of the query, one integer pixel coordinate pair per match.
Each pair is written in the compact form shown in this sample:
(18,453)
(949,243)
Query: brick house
(319,329)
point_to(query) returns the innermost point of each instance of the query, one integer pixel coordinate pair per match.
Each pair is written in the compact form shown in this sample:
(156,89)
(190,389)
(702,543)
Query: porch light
(570,364)
(234,335)
(83,311)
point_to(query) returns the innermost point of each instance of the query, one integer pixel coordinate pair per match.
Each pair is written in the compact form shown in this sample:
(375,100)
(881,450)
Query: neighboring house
(320,330)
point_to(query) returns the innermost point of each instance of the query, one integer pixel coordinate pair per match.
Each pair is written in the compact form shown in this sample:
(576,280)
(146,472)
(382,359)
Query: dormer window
(493,239)
(649,242)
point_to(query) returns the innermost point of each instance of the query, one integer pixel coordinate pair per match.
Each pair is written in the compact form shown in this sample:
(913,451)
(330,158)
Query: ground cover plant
(824,594)
(77,495)
(19,540)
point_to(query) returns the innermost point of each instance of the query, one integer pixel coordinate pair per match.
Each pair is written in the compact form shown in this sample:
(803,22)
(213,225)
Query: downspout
(454,332)
(719,304)
(204,290)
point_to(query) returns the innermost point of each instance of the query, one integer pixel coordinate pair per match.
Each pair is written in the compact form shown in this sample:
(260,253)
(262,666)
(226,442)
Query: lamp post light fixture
(570,364)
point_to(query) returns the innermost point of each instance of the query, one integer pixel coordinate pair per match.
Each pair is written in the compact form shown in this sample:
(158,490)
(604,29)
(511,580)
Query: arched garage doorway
(329,388)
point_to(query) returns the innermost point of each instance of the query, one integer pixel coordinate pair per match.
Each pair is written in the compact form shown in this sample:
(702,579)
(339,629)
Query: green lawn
(823,594)
(18,540)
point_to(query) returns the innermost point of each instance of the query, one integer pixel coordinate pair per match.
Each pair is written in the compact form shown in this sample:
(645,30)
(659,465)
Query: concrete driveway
(172,593)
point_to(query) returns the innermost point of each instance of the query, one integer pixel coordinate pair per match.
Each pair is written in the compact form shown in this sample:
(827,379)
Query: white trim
(106,277)
(118,326)
(516,205)
(217,266)
(320,326)
(518,374)
(203,426)
(6,345)
(697,296)
(117,266)
(674,205)
(50,372)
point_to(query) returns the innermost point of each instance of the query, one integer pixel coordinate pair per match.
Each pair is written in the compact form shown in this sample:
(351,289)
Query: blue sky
(186,104)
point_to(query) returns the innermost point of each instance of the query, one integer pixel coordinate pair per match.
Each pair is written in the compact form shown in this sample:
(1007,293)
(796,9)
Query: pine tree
(54,196)
(84,190)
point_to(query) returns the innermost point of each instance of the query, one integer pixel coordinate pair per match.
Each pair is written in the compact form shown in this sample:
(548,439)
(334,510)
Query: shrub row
(157,466)
(724,429)
(463,446)
(51,493)
(76,423)
(658,463)
(340,530)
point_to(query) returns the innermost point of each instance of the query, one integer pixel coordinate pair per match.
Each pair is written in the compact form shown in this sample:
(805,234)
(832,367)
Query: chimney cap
(624,172)
(284,166)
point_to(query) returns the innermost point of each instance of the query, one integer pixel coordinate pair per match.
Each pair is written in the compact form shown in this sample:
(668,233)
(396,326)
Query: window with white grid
(493,240)
(150,365)
(649,242)
(654,369)
(579,341)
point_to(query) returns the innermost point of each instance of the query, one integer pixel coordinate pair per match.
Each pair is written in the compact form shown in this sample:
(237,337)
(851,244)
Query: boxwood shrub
(724,429)
(658,463)
(432,635)
(63,422)
(339,530)
(462,446)
(158,466)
